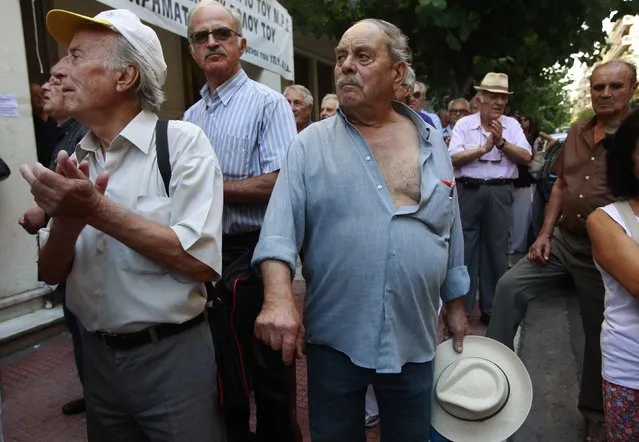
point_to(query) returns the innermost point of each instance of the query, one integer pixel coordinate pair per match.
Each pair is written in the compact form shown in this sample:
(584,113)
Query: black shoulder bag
(233,381)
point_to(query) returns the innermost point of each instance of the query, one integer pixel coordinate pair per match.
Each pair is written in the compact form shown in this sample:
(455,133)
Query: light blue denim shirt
(374,272)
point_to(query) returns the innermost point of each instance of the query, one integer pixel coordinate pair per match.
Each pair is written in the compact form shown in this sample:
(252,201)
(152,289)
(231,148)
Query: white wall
(18,271)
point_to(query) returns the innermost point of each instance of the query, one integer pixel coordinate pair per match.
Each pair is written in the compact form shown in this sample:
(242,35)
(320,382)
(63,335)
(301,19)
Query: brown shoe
(595,431)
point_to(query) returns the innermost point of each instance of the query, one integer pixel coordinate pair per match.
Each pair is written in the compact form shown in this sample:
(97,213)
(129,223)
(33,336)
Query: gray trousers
(164,391)
(570,258)
(486,216)
(522,213)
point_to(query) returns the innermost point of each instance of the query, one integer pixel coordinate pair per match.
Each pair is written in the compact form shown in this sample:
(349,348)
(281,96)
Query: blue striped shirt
(374,272)
(250,127)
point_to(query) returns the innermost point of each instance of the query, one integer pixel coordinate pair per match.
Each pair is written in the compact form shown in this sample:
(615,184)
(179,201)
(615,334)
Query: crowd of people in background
(134,232)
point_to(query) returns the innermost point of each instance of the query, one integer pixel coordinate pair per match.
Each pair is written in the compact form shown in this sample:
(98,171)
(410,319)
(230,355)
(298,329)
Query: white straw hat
(494,82)
(480,395)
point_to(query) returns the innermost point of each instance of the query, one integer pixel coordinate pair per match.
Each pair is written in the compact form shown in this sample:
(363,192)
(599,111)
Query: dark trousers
(74,328)
(486,216)
(273,383)
(336,391)
(570,258)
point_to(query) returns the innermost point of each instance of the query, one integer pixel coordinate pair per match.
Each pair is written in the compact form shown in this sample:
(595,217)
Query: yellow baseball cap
(64,24)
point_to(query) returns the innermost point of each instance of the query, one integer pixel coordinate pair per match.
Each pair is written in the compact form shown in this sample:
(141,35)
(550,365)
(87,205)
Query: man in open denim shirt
(370,196)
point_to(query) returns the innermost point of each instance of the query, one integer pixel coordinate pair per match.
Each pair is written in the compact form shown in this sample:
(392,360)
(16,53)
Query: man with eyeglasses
(485,149)
(250,127)
(457,109)
(417,100)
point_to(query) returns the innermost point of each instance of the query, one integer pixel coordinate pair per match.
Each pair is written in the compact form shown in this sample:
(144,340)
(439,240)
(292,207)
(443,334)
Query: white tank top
(620,328)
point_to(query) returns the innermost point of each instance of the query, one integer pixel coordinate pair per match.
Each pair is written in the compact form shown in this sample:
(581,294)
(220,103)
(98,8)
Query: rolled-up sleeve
(284,223)
(457,282)
(197,202)
(277,132)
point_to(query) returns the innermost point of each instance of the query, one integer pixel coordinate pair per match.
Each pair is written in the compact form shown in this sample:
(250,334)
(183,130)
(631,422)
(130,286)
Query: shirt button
(579,215)
(368,158)
(592,158)
(587,177)
(393,253)
(379,186)
(581,196)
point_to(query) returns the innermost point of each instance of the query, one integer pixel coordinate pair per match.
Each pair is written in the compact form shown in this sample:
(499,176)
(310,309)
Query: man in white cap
(485,149)
(135,252)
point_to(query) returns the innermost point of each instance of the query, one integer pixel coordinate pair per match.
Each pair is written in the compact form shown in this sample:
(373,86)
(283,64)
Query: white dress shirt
(469,134)
(113,288)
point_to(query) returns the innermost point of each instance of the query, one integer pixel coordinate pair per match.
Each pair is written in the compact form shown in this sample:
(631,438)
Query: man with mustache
(250,127)
(485,149)
(70,132)
(370,196)
(562,249)
(134,246)
(301,101)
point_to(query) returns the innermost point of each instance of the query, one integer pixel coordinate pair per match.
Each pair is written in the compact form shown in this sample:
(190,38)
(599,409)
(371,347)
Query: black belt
(475,182)
(127,341)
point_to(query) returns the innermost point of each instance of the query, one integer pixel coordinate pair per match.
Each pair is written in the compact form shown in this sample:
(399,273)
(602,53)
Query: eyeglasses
(458,111)
(219,34)
(417,94)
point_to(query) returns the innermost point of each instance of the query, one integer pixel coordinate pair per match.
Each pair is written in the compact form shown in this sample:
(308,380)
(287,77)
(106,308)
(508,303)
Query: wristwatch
(502,145)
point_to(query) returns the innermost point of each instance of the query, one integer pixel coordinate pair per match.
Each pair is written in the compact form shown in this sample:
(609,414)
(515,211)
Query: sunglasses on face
(219,34)
(417,94)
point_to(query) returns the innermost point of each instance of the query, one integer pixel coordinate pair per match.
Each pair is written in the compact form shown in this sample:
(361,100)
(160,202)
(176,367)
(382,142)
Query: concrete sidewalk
(37,381)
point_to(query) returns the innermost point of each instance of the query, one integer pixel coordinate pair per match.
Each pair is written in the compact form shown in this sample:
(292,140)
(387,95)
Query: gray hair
(397,41)
(423,86)
(236,14)
(329,97)
(459,100)
(148,92)
(409,78)
(303,91)
(631,68)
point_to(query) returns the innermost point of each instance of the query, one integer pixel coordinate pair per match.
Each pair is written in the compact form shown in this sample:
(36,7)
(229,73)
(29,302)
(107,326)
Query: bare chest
(397,157)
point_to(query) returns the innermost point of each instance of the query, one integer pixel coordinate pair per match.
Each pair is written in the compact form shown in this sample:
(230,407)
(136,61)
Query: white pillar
(18,271)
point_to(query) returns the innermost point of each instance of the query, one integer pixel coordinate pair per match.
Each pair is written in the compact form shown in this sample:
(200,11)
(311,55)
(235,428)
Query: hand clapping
(68,192)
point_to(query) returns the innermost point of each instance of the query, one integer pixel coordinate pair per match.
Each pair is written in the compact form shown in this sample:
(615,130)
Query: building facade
(276,57)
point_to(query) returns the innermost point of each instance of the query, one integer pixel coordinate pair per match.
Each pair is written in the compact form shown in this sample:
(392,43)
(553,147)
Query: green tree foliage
(543,97)
(456,42)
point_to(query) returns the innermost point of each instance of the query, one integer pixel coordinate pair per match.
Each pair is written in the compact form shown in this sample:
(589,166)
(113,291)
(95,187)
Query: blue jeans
(336,390)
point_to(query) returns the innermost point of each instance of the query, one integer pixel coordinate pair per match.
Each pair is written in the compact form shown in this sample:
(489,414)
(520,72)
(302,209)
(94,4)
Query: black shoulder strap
(162,149)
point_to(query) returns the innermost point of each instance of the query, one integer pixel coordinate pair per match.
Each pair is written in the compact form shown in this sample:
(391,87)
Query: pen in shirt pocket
(451,186)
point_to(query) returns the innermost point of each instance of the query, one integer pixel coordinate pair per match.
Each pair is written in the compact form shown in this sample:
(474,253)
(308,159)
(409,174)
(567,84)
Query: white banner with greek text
(266,24)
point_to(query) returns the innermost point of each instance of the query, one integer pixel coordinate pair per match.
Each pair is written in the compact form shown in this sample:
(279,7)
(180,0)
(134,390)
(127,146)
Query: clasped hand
(66,193)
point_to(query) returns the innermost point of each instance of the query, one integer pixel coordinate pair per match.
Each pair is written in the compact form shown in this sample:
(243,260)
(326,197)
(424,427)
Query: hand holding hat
(481,395)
